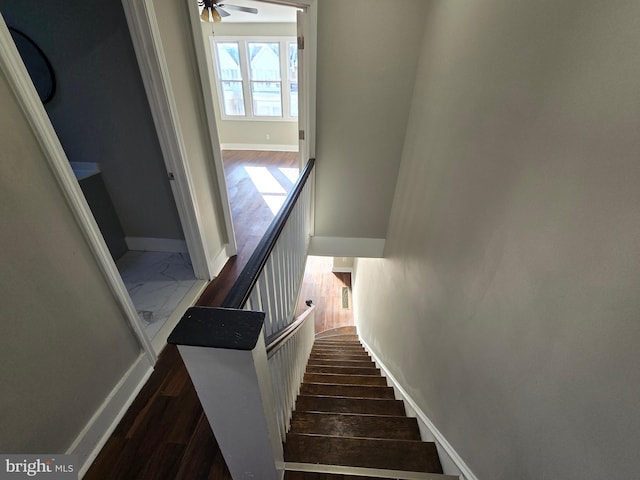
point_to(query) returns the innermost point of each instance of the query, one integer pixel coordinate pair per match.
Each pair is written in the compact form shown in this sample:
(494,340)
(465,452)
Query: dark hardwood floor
(164,434)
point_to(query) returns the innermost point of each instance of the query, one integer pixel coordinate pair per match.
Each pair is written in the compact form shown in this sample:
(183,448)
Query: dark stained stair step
(340,356)
(325,476)
(350,425)
(373,406)
(342,370)
(407,455)
(352,391)
(339,351)
(344,379)
(338,343)
(351,331)
(341,338)
(341,363)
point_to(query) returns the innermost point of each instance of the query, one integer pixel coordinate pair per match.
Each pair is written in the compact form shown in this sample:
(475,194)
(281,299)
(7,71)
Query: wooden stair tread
(340,356)
(343,370)
(337,343)
(344,379)
(341,351)
(350,330)
(407,455)
(374,406)
(324,476)
(353,391)
(352,425)
(341,363)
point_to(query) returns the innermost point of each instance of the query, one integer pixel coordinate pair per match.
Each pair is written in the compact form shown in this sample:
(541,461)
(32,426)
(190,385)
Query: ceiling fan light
(216,16)
(204,16)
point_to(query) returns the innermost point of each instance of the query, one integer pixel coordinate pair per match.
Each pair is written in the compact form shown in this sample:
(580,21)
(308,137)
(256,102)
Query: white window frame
(285,83)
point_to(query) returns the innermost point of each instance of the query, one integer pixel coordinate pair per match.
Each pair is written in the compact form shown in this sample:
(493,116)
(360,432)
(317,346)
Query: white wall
(65,343)
(244,132)
(367,55)
(507,303)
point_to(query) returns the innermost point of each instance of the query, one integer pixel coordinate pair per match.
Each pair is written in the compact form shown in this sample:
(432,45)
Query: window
(257,78)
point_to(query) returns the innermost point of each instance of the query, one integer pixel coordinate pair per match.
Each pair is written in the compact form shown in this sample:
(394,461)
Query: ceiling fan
(212,10)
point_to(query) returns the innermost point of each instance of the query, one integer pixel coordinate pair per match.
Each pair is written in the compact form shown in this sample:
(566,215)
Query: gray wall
(100,111)
(367,52)
(65,344)
(507,303)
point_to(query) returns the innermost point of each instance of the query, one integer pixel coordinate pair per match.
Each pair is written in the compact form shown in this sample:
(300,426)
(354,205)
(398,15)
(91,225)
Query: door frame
(143,26)
(18,77)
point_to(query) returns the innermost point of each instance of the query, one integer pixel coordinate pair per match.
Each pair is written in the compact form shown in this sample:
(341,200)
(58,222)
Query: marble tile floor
(157,282)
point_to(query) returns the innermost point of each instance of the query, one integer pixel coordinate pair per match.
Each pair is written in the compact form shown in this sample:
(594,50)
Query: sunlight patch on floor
(264,181)
(291,173)
(274,202)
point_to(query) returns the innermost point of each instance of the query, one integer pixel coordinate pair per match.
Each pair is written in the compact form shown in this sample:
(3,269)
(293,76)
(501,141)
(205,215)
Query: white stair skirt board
(97,431)
(365,472)
(347,247)
(151,244)
(259,147)
(451,462)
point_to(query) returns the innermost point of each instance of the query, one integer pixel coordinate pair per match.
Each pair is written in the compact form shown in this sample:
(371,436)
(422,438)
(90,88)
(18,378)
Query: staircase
(347,421)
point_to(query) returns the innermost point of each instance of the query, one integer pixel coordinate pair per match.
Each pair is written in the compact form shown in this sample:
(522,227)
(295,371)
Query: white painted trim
(342,270)
(205,67)
(150,244)
(145,36)
(97,431)
(347,247)
(365,472)
(26,95)
(259,147)
(220,260)
(450,459)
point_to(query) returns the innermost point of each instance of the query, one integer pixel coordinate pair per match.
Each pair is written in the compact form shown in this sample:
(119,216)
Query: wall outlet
(268,136)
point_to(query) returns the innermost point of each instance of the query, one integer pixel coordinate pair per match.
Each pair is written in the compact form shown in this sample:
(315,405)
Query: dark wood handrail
(239,293)
(274,342)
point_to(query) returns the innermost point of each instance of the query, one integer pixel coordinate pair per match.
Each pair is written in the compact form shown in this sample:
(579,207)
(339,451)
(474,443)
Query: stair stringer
(452,463)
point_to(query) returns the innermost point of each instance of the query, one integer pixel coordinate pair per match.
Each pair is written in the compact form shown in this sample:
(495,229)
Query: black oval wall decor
(37,63)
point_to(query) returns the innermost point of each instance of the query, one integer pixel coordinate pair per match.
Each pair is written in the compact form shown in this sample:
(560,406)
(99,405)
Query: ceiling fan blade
(239,8)
(222,12)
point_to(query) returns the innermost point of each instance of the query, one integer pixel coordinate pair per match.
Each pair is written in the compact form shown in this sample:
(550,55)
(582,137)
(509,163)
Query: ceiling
(267,13)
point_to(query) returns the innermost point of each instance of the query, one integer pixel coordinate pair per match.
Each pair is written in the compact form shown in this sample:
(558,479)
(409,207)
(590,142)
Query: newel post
(225,355)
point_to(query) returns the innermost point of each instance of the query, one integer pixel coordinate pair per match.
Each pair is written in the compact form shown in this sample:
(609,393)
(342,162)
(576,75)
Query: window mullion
(246,79)
(284,78)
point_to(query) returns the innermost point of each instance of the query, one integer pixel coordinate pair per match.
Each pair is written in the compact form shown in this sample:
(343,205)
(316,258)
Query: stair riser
(355,426)
(371,453)
(344,379)
(352,391)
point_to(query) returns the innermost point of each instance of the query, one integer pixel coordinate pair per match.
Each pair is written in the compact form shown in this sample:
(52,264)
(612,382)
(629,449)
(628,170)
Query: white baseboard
(259,147)
(151,244)
(342,270)
(96,432)
(346,247)
(452,463)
